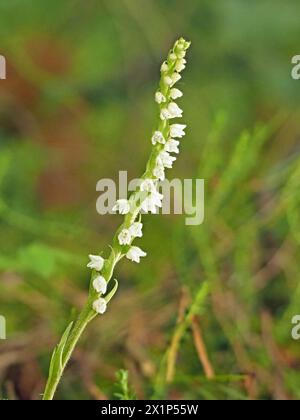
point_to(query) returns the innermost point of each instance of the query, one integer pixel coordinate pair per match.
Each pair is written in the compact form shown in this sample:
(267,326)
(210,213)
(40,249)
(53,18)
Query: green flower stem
(83,320)
(63,351)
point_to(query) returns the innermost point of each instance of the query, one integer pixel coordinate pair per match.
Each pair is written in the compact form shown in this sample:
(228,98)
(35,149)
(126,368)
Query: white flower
(159,170)
(168,80)
(175,93)
(148,185)
(100,306)
(172,146)
(122,206)
(124,237)
(174,110)
(158,138)
(180,65)
(96,262)
(152,202)
(136,230)
(177,130)
(166,159)
(135,253)
(175,78)
(165,114)
(164,67)
(160,98)
(100,284)
(173,56)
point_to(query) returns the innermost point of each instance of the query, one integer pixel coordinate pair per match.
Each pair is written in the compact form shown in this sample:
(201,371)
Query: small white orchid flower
(135,253)
(175,78)
(172,146)
(135,230)
(164,67)
(124,237)
(177,130)
(174,110)
(159,171)
(122,206)
(158,138)
(147,185)
(100,284)
(160,98)
(151,203)
(100,306)
(180,65)
(165,114)
(168,80)
(175,93)
(166,159)
(96,262)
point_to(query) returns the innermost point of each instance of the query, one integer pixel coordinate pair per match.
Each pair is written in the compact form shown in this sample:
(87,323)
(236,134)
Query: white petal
(175,78)
(159,172)
(175,93)
(136,230)
(160,98)
(177,130)
(168,80)
(96,262)
(172,146)
(122,206)
(174,110)
(100,284)
(124,237)
(165,114)
(164,67)
(135,253)
(100,306)
(158,138)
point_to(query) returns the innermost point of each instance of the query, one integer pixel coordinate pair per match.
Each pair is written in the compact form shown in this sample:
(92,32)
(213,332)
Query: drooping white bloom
(173,56)
(122,206)
(100,306)
(135,253)
(96,262)
(164,67)
(100,284)
(172,146)
(158,138)
(174,110)
(136,230)
(147,185)
(166,159)
(160,98)
(177,130)
(175,78)
(175,93)
(180,65)
(124,237)
(165,114)
(151,203)
(159,170)
(168,80)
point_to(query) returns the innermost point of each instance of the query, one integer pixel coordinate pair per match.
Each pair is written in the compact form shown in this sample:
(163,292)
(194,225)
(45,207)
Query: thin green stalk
(146,198)
(83,320)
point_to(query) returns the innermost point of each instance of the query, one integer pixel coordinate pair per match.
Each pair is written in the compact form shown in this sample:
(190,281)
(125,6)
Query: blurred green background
(77,106)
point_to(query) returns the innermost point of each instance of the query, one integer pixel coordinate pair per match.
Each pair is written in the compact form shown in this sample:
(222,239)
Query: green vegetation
(208,313)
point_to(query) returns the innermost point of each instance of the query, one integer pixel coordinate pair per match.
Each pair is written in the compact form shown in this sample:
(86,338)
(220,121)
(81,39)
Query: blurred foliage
(78,101)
